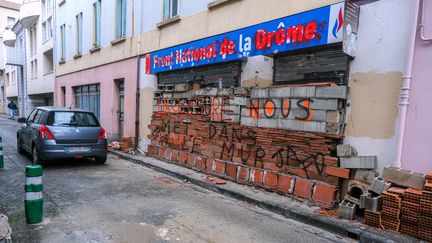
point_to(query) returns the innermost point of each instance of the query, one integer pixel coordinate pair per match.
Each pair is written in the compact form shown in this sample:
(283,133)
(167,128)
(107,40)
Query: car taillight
(45,133)
(102,134)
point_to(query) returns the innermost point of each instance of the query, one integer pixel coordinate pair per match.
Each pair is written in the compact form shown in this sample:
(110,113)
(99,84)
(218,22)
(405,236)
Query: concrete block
(379,185)
(248,121)
(325,104)
(346,150)
(356,189)
(241,91)
(317,115)
(181,87)
(233,118)
(404,178)
(311,126)
(242,101)
(280,92)
(347,210)
(259,93)
(225,92)
(359,162)
(232,109)
(334,117)
(207,92)
(370,203)
(334,128)
(366,176)
(339,92)
(303,92)
(267,123)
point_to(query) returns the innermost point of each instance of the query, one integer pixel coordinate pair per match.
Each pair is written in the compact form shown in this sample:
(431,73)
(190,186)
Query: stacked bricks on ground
(280,138)
(425,223)
(411,212)
(391,210)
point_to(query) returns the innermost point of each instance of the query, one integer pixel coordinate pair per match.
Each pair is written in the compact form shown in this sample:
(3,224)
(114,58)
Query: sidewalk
(282,205)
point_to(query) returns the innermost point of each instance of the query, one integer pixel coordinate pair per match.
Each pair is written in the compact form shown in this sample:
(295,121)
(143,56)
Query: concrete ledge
(167,22)
(272,202)
(218,3)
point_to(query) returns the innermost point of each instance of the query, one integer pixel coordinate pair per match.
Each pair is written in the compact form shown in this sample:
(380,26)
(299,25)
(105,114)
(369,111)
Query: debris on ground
(215,180)
(125,146)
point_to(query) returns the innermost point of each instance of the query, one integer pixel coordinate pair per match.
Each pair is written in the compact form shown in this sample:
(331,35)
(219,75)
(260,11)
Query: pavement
(124,201)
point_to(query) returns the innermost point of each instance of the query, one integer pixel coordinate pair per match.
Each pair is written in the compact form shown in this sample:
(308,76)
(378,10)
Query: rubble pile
(125,145)
(401,201)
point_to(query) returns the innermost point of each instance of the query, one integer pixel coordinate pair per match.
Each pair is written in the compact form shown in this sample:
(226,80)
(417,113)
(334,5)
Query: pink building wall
(109,101)
(417,148)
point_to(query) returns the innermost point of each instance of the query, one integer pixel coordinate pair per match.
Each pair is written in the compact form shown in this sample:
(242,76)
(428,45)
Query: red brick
(242,174)
(338,172)
(207,153)
(429,176)
(174,156)
(324,194)
(270,180)
(167,155)
(191,160)
(285,183)
(200,162)
(303,188)
(162,152)
(182,158)
(151,150)
(209,164)
(218,167)
(231,170)
(256,176)
(271,166)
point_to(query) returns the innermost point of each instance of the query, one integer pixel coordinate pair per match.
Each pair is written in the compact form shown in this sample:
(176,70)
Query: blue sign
(308,29)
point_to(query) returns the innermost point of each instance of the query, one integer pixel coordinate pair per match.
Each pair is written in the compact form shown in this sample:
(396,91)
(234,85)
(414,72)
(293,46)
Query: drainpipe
(422,25)
(406,84)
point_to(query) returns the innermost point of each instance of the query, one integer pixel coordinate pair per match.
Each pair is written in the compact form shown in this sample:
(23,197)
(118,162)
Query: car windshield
(72,118)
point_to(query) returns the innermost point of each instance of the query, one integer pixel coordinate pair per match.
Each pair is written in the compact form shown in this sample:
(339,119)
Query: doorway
(120,111)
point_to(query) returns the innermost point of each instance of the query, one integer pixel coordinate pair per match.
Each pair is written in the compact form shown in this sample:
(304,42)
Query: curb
(362,233)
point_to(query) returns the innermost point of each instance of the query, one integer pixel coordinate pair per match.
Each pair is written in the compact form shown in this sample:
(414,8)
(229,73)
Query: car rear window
(72,118)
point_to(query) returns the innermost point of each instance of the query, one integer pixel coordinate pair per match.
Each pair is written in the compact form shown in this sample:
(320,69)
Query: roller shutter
(207,76)
(328,65)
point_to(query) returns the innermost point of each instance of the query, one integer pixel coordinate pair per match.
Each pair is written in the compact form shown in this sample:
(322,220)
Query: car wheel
(35,156)
(19,146)
(100,160)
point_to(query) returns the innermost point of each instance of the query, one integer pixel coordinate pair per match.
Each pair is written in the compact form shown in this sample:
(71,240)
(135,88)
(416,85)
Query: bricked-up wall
(227,134)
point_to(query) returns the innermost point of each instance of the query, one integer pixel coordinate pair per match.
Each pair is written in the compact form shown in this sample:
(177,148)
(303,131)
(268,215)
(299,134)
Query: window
(37,119)
(33,40)
(120,18)
(30,118)
(72,118)
(87,97)
(97,23)
(79,33)
(171,9)
(62,42)
(10,22)
(34,69)
(13,78)
(7,80)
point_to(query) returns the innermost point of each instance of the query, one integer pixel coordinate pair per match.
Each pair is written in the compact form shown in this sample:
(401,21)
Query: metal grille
(328,65)
(207,76)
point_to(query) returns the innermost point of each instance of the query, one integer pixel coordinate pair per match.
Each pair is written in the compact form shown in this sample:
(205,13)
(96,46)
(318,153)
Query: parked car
(52,133)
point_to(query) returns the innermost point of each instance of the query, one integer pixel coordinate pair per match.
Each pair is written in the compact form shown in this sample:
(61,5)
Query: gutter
(406,85)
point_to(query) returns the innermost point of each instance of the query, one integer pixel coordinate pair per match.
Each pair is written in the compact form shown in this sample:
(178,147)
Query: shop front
(282,136)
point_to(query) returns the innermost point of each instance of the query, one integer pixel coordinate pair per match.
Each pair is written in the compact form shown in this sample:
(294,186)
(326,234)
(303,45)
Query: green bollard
(33,194)
(1,154)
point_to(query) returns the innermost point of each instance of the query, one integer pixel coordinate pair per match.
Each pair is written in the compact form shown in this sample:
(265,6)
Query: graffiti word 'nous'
(294,34)
(270,108)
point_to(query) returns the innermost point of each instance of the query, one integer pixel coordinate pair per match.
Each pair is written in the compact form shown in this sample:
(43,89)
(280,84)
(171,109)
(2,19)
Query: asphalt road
(124,202)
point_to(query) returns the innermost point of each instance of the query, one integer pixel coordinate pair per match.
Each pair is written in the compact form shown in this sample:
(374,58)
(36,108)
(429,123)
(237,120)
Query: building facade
(9,12)
(96,61)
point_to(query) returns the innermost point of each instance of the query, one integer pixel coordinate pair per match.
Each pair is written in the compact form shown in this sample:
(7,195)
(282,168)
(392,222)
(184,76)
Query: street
(125,202)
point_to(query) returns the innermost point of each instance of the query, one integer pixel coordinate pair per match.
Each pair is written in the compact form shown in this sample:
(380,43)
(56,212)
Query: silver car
(52,133)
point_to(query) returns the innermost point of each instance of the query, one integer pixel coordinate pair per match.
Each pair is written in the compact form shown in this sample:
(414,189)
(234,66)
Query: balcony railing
(30,12)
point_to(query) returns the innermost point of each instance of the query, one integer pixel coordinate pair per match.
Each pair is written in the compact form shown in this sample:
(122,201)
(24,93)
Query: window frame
(62,42)
(97,23)
(120,19)
(79,32)
(168,9)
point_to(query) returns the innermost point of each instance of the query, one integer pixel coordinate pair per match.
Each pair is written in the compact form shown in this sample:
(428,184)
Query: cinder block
(347,210)
(325,104)
(359,162)
(249,121)
(334,117)
(334,128)
(356,189)
(240,101)
(280,92)
(404,178)
(207,92)
(339,92)
(267,123)
(366,176)
(225,92)
(317,115)
(311,126)
(373,204)
(241,91)
(346,150)
(260,93)
(303,92)
(181,87)
(379,185)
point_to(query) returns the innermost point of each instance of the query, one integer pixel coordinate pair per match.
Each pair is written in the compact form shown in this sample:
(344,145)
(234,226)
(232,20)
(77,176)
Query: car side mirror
(22,120)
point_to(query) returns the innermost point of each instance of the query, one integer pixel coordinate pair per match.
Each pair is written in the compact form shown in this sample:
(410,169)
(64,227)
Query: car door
(34,126)
(26,130)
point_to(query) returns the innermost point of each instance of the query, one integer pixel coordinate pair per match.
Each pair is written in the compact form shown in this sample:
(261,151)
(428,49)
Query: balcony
(9,38)
(29,12)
